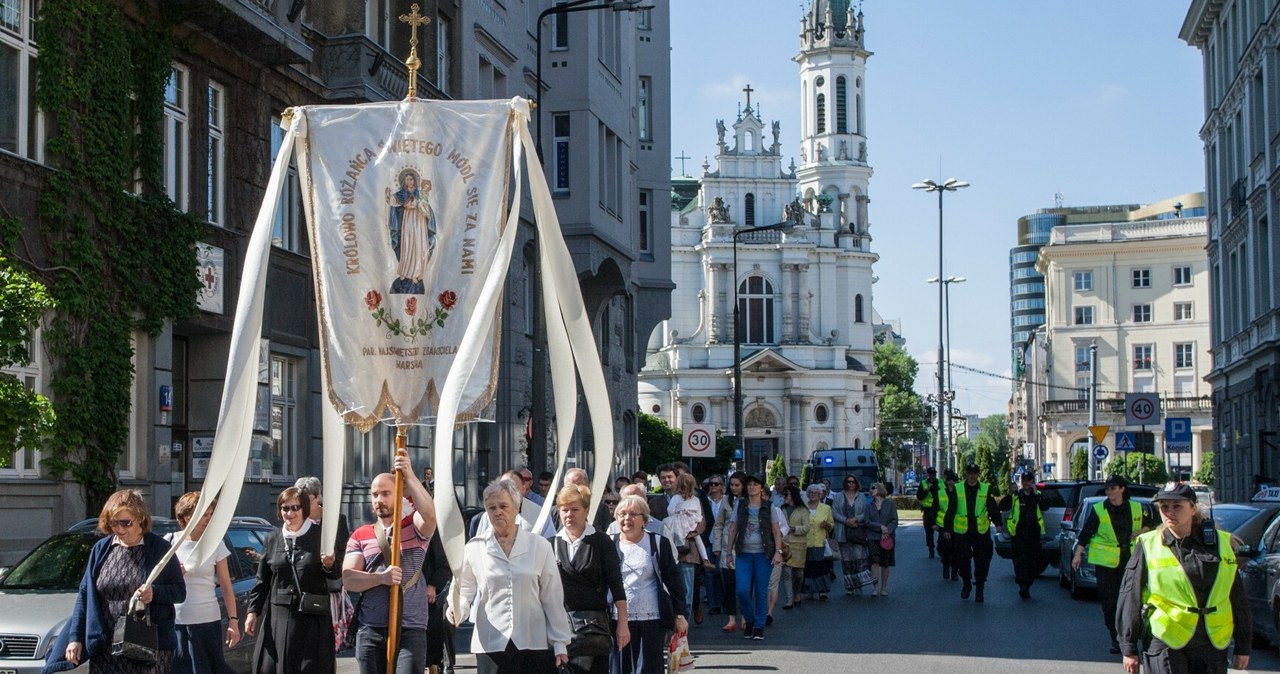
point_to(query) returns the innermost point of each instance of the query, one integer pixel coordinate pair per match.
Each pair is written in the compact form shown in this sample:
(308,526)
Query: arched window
(842,106)
(858,111)
(755,305)
(749,141)
(857,309)
(749,215)
(822,113)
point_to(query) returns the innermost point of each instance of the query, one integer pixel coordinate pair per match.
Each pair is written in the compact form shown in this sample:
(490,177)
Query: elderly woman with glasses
(654,589)
(290,601)
(821,524)
(118,567)
(849,508)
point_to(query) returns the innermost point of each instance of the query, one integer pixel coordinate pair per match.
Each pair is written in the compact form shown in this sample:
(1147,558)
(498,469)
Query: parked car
(38,594)
(1258,558)
(1062,498)
(1084,579)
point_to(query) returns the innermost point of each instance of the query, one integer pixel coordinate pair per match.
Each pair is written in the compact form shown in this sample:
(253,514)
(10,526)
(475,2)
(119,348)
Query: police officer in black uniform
(1025,524)
(971,513)
(1109,535)
(947,547)
(928,497)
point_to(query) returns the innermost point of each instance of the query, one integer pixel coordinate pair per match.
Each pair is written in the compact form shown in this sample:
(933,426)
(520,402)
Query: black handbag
(591,634)
(135,635)
(313,603)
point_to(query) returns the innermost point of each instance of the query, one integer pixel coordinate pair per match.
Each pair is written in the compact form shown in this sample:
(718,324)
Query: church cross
(748,89)
(414,19)
(682,158)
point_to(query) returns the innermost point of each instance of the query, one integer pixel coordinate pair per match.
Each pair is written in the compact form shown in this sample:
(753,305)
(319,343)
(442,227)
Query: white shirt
(201,605)
(576,543)
(517,598)
(639,579)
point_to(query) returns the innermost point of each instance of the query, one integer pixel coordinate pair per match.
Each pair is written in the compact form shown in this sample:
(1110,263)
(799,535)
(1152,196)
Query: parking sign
(1177,434)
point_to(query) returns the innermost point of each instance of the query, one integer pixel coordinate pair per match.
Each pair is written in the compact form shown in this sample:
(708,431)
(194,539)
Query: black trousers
(1203,659)
(973,550)
(1109,593)
(1026,559)
(947,552)
(515,661)
(930,520)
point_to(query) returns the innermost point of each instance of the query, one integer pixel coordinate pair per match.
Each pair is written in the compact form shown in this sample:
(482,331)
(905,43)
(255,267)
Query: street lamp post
(946,303)
(950,185)
(737,332)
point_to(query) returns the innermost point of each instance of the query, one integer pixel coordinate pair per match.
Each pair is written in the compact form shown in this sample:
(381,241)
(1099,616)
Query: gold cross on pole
(414,19)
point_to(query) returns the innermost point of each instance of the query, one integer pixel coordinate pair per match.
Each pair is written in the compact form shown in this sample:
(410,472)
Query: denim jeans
(687,572)
(753,570)
(712,584)
(371,650)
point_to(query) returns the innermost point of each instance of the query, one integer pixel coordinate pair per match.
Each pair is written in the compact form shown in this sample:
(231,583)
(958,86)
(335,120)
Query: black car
(38,594)
(1258,559)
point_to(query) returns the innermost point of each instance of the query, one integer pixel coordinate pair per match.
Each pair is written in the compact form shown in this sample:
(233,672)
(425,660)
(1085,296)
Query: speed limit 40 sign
(1141,409)
(699,441)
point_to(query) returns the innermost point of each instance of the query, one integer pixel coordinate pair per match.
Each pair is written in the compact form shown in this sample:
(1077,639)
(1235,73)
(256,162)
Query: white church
(803,291)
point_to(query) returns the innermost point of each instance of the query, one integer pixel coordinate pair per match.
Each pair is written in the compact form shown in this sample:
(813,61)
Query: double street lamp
(951,185)
(737,331)
(946,302)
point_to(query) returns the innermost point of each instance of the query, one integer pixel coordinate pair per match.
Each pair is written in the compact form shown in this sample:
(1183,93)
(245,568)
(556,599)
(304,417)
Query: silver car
(1084,579)
(39,593)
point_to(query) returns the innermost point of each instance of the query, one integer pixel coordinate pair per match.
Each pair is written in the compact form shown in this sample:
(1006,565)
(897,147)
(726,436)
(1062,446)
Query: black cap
(931,470)
(972,468)
(1028,477)
(951,475)
(1116,481)
(1175,491)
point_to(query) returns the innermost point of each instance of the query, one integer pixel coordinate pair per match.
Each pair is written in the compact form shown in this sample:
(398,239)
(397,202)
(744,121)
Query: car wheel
(1076,592)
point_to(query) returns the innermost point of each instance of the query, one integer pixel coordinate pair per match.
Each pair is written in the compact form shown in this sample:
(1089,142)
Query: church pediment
(767,360)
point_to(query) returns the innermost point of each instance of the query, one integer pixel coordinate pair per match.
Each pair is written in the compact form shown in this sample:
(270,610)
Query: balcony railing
(1116,406)
(260,29)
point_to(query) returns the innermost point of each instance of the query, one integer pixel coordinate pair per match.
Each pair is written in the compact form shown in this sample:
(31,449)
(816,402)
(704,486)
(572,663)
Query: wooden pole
(393,609)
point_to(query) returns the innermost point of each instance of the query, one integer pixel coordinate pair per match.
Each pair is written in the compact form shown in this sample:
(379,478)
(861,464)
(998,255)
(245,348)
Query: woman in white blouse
(510,587)
(654,587)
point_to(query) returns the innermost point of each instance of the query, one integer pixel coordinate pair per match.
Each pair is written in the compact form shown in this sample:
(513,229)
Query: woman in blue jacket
(118,566)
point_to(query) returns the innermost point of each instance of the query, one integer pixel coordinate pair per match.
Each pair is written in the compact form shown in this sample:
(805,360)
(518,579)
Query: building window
(127,461)
(177,151)
(822,113)
(609,174)
(820,413)
(21,124)
(560,28)
(1142,357)
(842,106)
(1083,316)
(645,223)
(644,112)
(644,19)
(749,210)
(216,182)
(561,145)
(1142,278)
(1083,280)
(286,229)
(857,309)
(699,413)
(755,304)
(442,54)
(284,410)
(1184,356)
(1142,313)
(1182,275)
(1082,388)
(1182,311)
(25,462)
(1082,359)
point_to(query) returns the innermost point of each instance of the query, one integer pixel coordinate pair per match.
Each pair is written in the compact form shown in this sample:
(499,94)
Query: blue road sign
(910,476)
(1125,441)
(1177,434)
(1100,452)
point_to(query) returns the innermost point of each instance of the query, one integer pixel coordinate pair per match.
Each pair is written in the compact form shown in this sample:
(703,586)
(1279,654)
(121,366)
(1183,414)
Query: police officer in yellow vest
(1109,535)
(1025,524)
(1182,595)
(971,512)
(929,506)
(946,549)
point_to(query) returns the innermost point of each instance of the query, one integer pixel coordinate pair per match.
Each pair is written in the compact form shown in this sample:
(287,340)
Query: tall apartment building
(242,62)
(1238,41)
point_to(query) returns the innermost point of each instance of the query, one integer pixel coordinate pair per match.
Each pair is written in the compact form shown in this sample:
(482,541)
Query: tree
(1080,464)
(966,450)
(1204,474)
(895,367)
(995,430)
(1139,468)
(988,468)
(659,443)
(26,417)
(903,418)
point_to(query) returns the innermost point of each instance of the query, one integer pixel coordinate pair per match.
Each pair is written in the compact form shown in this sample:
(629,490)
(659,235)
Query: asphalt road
(923,627)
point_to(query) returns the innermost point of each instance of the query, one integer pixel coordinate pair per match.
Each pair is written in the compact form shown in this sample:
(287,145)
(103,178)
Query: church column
(720,414)
(802,270)
(863,200)
(846,216)
(785,436)
(788,302)
(838,405)
(802,423)
(725,283)
(710,317)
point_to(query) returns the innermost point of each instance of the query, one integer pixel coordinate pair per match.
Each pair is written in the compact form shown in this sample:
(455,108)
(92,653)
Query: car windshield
(57,564)
(1230,519)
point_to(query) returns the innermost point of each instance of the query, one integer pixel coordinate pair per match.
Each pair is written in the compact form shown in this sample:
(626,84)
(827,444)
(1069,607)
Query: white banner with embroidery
(405,206)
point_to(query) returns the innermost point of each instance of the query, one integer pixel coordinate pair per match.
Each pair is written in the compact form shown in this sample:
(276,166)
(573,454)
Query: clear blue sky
(1097,100)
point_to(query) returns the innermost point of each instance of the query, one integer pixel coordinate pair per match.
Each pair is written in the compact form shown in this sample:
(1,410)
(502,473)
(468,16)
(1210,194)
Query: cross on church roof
(682,158)
(748,89)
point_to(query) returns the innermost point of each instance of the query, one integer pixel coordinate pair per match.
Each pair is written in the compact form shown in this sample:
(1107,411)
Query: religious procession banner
(405,204)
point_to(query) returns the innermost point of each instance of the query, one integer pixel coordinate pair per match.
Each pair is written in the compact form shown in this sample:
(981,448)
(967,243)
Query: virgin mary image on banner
(412,225)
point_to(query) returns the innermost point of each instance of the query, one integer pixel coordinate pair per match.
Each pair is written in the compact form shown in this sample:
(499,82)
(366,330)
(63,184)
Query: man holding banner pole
(370,568)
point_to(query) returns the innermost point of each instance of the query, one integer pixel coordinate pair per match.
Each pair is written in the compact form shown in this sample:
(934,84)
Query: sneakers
(758,634)
(746,630)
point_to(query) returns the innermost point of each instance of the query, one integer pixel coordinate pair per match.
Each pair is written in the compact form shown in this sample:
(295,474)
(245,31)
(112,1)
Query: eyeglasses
(290,508)
(610,502)
(121,524)
(716,484)
(851,482)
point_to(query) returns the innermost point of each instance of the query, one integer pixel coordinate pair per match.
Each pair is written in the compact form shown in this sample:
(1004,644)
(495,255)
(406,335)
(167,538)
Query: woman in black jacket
(290,601)
(590,572)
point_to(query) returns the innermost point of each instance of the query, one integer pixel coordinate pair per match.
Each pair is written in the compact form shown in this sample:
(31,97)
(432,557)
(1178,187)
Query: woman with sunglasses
(118,566)
(290,601)
(720,541)
(849,507)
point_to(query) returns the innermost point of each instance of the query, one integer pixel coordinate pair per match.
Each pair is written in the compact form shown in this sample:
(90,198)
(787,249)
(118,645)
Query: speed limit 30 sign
(1141,409)
(699,441)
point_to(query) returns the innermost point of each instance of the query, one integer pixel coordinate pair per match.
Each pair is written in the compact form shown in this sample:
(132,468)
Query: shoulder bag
(311,603)
(135,635)
(855,534)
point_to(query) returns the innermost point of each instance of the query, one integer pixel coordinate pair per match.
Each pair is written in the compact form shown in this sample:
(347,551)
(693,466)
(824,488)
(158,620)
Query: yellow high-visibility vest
(1175,612)
(960,524)
(1104,547)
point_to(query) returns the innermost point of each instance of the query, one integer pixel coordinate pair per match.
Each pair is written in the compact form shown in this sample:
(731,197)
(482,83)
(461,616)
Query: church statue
(777,131)
(717,212)
(844,149)
(720,130)
(795,212)
(822,152)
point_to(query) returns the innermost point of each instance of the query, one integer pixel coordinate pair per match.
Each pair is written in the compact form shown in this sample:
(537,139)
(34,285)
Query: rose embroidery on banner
(412,326)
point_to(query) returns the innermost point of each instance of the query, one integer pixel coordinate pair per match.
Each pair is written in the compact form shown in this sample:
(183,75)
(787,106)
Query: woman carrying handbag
(882,528)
